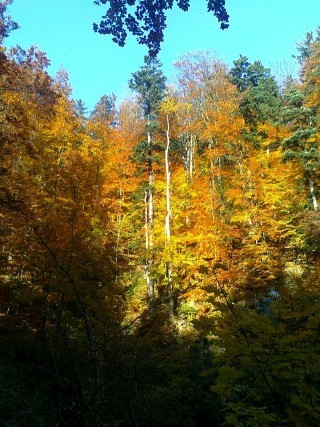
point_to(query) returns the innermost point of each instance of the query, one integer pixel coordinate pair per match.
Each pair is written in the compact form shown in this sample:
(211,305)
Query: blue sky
(259,29)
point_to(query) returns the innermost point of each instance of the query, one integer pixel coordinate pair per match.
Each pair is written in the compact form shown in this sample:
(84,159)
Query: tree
(149,82)
(169,107)
(305,47)
(55,239)
(261,100)
(148,21)
(81,109)
(301,115)
(265,356)
(105,109)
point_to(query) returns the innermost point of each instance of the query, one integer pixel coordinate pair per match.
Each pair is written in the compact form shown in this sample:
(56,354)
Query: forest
(160,256)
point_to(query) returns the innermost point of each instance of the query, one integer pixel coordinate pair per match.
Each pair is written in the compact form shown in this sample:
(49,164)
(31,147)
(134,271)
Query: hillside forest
(160,256)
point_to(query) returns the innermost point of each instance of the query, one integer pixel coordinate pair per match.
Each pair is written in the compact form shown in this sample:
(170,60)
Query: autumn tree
(168,110)
(208,192)
(277,272)
(27,96)
(209,132)
(56,251)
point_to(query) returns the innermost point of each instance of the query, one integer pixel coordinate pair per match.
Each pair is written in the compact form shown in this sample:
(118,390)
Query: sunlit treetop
(306,47)
(146,19)
(150,84)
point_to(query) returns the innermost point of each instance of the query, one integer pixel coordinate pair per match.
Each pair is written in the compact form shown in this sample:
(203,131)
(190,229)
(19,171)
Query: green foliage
(305,47)
(261,99)
(301,145)
(311,225)
(150,83)
(267,364)
(81,109)
(105,109)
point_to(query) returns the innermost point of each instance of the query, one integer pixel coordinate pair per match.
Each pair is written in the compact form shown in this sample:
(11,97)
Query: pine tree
(149,83)
(261,98)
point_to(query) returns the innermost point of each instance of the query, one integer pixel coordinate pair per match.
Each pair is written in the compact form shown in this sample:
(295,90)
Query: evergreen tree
(301,114)
(149,83)
(261,99)
(305,47)
(80,108)
(105,109)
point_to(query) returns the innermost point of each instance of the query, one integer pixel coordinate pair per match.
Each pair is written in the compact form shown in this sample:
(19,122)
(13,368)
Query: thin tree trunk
(190,158)
(119,230)
(150,189)
(149,222)
(212,189)
(167,229)
(147,265)
(313,195)
(189,171)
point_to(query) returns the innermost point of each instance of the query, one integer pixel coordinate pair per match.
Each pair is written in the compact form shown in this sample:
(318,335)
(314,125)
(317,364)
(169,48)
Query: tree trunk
(168,201)
(148,200)
(189,167)
(190,158)
(167,228)
(313,195)
(212,189)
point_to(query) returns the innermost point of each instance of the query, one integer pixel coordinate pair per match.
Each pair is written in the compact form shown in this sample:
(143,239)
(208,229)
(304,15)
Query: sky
(261,30)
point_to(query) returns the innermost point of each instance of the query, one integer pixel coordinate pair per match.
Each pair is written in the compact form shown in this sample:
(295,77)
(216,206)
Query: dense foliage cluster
(160,259)
(146,20)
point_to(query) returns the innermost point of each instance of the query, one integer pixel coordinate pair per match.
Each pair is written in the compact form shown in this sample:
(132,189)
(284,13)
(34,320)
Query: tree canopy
(146,19)
(150,83)
(160,257)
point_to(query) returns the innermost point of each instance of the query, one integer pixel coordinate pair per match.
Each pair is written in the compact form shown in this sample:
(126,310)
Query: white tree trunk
(148,202)
(313,195)
(189,167)
(190,158)
(167,228)
(167,231)
(212,189)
